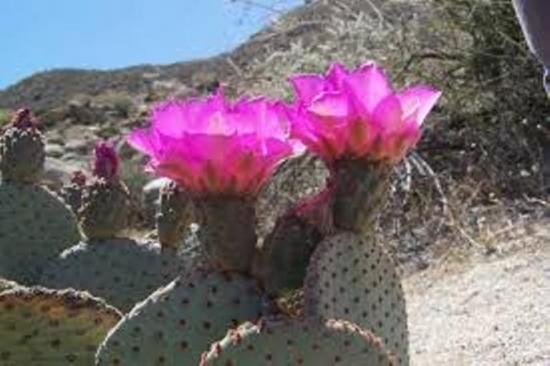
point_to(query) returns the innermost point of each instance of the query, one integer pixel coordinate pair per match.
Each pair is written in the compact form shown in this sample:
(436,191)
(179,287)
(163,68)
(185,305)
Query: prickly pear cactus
(105,205)
(35,226)
(282,342)
(121,271)
(354,279)
(174,215)
(227,231)
(50,328)
(22,152)
(291,244)
(72,191)
(105,209)
(176,324)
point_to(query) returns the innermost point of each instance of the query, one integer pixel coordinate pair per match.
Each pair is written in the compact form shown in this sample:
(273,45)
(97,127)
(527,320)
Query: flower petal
(143,140)
(330,104)
(211,146)
(308,86)
(336,75)
(418,100)
(388,115)
(369,86)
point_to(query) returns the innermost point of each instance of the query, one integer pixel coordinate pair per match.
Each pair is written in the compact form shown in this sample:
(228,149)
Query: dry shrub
(483,145)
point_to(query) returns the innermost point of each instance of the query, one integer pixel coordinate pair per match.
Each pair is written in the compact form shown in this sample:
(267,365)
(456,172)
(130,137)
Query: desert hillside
(484,149)
(469,211)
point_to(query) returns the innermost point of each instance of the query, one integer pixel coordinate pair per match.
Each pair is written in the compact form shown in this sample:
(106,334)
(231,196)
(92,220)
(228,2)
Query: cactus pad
(227,231)
(35,226)
(176,324)
(354,279)
(42,327)
(121,271)
(360,191)
(21,154)
(175,214)
(298,342)
(105,209)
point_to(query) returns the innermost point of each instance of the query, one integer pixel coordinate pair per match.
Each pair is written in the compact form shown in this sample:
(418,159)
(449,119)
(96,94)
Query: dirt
(487,311)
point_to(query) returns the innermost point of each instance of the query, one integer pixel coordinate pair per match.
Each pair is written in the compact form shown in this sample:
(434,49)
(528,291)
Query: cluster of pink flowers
(213,146)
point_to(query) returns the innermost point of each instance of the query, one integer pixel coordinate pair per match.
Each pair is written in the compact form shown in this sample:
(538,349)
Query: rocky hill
(51,89)
(472,50)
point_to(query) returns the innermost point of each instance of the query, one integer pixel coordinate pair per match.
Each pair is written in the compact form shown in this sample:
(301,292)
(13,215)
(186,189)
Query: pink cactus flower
(357,113)
(106,164)
(212,146)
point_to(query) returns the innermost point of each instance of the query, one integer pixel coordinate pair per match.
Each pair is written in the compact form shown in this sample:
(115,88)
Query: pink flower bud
(106,162)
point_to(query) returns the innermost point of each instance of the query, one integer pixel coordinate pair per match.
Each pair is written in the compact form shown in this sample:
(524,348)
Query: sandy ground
(491,311)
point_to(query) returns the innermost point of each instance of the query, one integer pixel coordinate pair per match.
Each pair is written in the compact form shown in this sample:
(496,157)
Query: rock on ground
(491,313)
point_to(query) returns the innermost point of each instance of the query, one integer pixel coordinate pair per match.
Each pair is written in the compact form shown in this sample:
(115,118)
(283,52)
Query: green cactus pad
(360,191)
(288,246)
(174,215)
(176,324)
(282,342)
(122,271)
(21,154)
(105,209)
(42,327)
(227,231)
(354,279)
(35,226)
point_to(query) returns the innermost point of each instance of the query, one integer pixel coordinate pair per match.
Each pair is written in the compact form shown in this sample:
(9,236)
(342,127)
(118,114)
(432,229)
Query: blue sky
(37,35)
